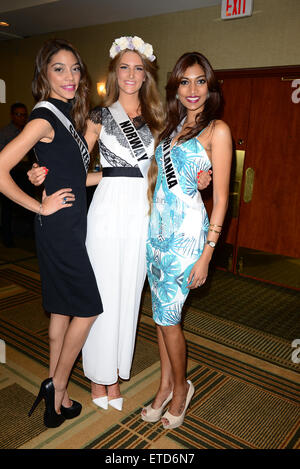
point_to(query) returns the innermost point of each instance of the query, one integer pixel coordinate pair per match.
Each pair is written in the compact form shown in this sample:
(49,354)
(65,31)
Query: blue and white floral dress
(177,231)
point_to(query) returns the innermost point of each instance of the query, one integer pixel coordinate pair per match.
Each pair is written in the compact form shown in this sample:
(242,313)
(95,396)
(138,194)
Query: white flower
(132,43)
(148,50)
(137,42)
(113,51)
(122,43)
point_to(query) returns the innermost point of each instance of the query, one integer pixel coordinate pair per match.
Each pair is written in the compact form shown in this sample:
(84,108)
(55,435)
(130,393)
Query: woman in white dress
(118,214)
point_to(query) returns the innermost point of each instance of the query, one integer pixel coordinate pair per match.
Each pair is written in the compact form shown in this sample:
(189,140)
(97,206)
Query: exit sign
(236,9)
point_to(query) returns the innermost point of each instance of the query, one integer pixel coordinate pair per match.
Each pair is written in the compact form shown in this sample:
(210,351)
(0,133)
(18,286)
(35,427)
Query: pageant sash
(69,126)
(172,178)
(136,145)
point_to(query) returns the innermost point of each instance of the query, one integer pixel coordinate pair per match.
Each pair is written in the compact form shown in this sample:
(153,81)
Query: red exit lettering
(235,7)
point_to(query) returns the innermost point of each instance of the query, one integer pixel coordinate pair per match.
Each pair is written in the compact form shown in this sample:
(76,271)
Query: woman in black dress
(69,287)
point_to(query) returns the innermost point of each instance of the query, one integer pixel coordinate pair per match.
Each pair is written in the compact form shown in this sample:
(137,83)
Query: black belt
(129,172)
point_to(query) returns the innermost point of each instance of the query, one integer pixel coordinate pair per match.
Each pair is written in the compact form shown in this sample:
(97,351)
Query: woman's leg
(74,339)
(98,390)
(58,327)
(166,378)
(176,348)
(113,391)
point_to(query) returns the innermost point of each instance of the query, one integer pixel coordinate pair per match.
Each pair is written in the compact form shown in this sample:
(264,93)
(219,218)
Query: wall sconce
(101,88)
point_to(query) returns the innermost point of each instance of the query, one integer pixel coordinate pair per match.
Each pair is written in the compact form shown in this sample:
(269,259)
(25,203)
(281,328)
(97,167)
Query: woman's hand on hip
(63,198)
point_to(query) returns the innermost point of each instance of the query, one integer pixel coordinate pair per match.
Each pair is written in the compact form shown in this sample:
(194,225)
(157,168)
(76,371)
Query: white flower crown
(132,43)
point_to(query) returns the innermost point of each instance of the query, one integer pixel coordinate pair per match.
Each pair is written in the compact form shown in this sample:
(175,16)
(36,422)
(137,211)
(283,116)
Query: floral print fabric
(177,232)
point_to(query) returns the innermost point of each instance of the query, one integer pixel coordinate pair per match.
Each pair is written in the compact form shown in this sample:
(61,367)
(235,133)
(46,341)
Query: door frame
(288,73)
(288,70)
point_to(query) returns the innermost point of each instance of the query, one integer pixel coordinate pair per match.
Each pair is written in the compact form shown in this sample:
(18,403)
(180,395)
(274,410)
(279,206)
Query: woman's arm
(93,179)
(13,153)
(92,133)
(221,147)
(37,174)
(203,179)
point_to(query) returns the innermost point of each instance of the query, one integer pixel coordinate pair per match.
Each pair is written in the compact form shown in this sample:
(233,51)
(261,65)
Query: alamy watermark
(2,351)
(296,353)
(296,93)
(2,91)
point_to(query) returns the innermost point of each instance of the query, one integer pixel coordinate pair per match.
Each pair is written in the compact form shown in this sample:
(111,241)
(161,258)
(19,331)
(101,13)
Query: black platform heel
(47,392)
(71,412)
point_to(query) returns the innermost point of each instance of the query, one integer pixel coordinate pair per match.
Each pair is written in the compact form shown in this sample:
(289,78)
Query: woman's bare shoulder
(221,126)
(221,132)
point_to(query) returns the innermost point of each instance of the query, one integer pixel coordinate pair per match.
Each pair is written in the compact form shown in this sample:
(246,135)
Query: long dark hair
(176,111)
(41,88)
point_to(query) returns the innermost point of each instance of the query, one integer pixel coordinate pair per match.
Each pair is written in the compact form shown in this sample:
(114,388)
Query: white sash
(137,147)
(69,126)
(172,178)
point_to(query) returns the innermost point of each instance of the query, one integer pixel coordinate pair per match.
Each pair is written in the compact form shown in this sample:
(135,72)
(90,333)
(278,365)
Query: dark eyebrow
(137,65)
(186,78)
(60,63)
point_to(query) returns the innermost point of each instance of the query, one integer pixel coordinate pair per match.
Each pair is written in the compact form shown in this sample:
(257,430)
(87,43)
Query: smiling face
(193,90)
(63,73)
(130,73)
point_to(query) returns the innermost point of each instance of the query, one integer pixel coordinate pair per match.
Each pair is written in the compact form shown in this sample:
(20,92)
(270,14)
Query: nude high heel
(153,415)
(176,421)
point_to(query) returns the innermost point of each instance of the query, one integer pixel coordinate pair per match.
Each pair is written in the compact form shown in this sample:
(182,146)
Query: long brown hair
(175,111)
(40,84)
(151,105)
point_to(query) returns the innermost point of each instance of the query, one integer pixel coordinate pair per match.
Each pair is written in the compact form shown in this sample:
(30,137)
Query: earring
(176,96)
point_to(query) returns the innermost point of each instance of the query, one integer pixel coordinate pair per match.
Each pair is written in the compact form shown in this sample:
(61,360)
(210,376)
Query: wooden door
(269,219)
(237,98)
(265,122)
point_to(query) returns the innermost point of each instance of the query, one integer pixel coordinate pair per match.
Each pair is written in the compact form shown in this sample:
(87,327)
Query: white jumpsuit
(116,244)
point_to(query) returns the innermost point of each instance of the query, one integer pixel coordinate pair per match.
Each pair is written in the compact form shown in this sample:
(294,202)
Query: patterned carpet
(239,335)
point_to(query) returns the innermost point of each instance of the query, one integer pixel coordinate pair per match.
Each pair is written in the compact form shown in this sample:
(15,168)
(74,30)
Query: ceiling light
(3,23)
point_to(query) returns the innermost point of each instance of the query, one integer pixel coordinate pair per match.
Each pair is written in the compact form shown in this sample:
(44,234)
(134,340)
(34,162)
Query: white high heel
(101,402)
(116,403)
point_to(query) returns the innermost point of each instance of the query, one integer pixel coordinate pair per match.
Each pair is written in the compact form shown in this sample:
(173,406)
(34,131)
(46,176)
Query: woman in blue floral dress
(181,240)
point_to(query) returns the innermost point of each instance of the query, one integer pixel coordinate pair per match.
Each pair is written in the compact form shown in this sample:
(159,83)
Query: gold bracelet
(216,226)
(219,232)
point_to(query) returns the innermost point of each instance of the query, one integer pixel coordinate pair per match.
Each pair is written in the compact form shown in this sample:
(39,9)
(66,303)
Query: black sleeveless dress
(68,282)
